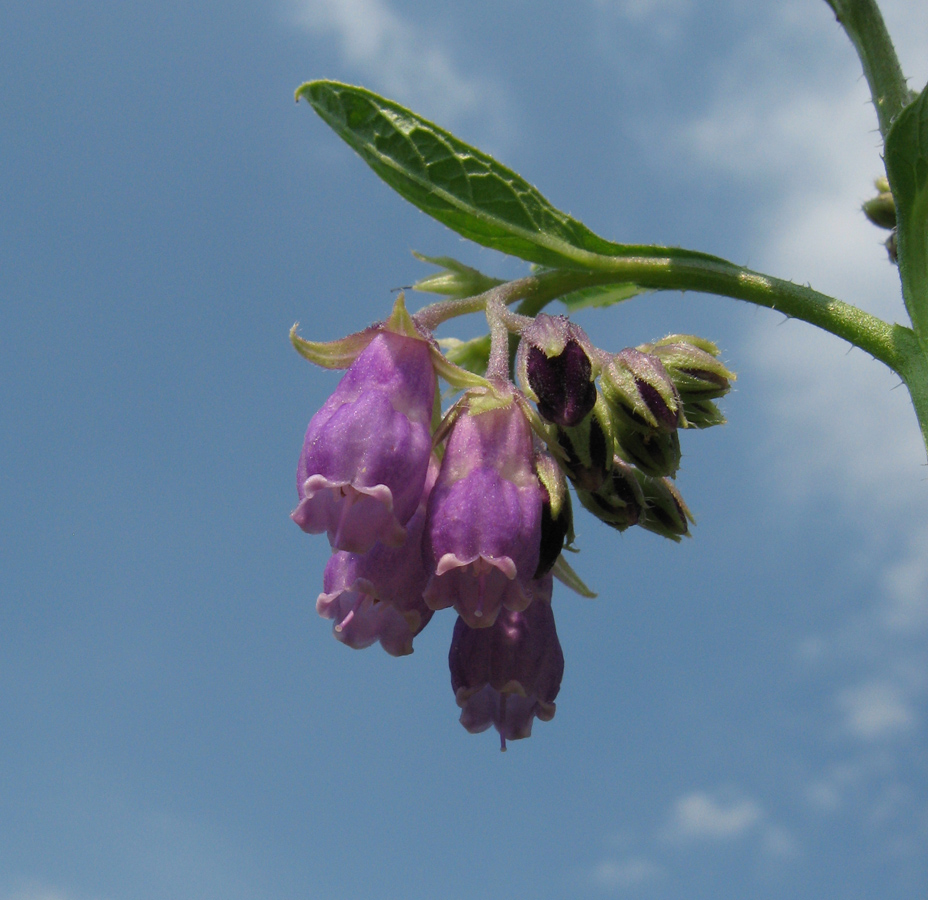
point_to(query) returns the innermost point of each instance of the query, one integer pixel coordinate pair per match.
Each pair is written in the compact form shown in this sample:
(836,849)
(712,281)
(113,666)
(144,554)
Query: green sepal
(458,377)
(702,414)
(693,366)
(334,354)
(656,453)
(342,353)
(400,322)
(587,449)
(564,573)
(664,513)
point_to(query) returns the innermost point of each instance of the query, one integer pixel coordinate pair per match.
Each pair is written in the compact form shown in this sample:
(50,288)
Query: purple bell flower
(483,529)
(510,674)
(366,452)
(377,596)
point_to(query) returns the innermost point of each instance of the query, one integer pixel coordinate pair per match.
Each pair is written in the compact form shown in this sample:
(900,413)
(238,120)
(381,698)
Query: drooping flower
(377,596)
(483,528)
(510,674)
(366,452)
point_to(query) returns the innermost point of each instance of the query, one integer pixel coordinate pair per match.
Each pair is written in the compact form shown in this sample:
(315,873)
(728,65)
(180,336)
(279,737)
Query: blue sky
(741,715)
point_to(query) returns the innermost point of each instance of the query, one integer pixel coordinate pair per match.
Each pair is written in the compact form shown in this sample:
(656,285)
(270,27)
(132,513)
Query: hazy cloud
(876,710)
(905,585)
(403,59)
(702,815)
(626,874)
(34,891)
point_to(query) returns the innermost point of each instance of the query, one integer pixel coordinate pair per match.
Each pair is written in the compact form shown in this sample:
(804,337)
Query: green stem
(864,24)
(878,338)
(897,346)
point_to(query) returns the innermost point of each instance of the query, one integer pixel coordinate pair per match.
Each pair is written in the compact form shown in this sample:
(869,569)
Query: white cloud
(626,874)
(779,843)
(701,815)
(402,59)
(905,587)
(641,10)
(876,710)
(35,891)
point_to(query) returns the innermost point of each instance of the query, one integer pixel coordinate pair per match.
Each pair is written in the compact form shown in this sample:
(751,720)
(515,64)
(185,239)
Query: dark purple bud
(555,369)
(892,247)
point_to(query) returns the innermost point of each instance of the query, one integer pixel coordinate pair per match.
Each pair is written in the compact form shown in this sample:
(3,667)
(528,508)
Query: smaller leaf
(463,187)
(473,355)
(456,280)
(600,296)
(907,167)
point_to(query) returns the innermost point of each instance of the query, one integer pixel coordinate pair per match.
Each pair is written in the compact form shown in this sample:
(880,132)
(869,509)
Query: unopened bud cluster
(881,211)
(471,510)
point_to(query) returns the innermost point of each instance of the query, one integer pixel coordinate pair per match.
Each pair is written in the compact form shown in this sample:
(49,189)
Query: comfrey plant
(470,508)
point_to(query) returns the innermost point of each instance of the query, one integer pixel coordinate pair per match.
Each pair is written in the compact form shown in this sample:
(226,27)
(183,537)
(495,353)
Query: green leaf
(907,168)
(462,187)
(455,280)
(599,296)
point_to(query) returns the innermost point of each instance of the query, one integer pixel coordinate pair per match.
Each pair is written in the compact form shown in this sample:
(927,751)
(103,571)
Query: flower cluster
(471,510)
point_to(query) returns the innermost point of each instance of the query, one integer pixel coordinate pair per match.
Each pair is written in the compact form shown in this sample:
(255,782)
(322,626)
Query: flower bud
(656,453)
(588,448)
(881,210)
(555,369)
(640,393)
(892,248)
(693,365)
(620,501)
(702,414)
(556,512)
(665,513)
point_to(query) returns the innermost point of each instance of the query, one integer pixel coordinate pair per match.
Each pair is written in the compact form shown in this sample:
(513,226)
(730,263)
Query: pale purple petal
(366,452)
(483,531)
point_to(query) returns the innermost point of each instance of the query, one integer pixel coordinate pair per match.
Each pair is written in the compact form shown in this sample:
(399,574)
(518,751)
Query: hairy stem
(863,22)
